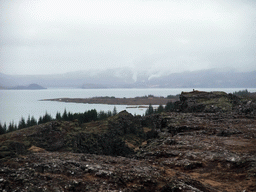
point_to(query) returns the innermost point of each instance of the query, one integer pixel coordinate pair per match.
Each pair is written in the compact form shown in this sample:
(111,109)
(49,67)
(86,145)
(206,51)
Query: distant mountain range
(127,78)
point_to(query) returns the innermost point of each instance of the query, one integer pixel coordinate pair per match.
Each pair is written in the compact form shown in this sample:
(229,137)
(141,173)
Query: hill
(29,87)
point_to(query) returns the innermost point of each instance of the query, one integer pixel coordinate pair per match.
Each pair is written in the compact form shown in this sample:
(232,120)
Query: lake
(15,104)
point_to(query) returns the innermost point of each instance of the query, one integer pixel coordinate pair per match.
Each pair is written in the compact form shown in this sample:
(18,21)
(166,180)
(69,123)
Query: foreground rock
(84,172)
(213,149)
(162,152)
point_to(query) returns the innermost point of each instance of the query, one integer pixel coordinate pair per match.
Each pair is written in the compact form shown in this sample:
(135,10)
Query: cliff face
(171,151)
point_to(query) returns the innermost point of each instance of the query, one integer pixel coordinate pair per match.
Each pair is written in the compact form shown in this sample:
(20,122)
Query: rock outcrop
(213,102)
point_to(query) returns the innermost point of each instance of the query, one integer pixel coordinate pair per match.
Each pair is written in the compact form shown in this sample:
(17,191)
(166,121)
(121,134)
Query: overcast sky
(48,36)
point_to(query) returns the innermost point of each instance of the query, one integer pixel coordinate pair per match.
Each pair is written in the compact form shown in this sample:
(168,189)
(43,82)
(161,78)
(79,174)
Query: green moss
(222,102)
(220,93)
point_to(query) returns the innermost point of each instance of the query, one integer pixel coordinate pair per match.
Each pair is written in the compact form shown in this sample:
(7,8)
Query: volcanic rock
(172,151)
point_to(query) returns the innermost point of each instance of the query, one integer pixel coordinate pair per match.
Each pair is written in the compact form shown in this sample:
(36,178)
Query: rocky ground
(171,151)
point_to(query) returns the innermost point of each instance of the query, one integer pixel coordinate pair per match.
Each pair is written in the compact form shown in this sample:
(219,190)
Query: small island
(29,87)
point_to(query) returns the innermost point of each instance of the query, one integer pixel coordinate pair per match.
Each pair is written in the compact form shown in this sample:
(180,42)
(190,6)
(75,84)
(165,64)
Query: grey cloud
(157,36)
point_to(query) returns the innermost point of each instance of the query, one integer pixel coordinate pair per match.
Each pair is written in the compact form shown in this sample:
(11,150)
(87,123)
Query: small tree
(160,109)
(109,113)
(2,129)
(46,118)
(58,116)
(40,120)
(102,115)
(150,110)
(70,116)
(114,111)
(92,115)
(12,127)
(5,128)
(65,115)
(22,123)
(33,121)
(169,106)
(28,122)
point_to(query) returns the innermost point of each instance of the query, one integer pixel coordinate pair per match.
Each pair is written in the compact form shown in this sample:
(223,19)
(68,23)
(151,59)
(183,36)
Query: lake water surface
(15,104)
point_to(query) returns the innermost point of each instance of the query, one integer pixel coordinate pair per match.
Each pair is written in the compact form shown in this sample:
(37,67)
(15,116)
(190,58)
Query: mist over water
(15,104)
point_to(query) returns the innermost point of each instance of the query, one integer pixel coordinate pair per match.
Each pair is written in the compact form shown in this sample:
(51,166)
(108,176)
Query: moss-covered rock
(200,101)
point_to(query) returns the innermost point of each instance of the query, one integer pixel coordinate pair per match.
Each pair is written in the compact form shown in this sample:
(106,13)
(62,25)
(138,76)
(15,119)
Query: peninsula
(146,100)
